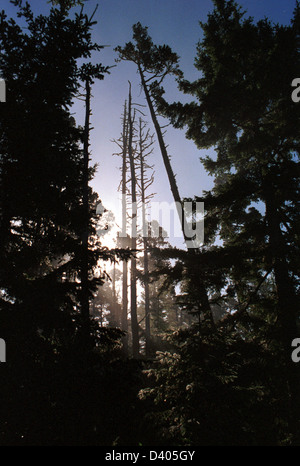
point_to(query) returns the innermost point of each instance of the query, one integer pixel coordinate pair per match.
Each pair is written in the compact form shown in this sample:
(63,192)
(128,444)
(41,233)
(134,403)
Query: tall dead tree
(133,270)
(123,238)
(134,155)
(84,272)
(124,318)
(145,143)
(88,74)
(154,64)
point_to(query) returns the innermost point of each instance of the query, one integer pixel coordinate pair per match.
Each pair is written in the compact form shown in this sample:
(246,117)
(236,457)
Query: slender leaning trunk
(206,309)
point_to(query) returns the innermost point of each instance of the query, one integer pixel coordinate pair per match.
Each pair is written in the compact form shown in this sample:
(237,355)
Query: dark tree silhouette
(242,106)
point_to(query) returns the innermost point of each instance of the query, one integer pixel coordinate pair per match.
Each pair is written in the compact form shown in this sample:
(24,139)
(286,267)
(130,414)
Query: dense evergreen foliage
(244,110)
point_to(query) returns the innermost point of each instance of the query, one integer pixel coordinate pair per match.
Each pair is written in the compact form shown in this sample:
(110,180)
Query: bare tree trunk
(145,243)
(124,319)
(147,300)
(114,313)
(124,322)
(84,273)
(133,275)
(166,160)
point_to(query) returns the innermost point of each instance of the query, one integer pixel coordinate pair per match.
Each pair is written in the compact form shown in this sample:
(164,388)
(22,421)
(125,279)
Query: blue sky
(176,23)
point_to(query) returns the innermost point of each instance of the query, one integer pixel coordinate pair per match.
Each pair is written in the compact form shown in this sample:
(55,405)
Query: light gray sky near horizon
(173,22)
